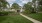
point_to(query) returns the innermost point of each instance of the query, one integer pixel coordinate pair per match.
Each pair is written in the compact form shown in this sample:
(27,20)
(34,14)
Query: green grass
(14,19)
(37,16)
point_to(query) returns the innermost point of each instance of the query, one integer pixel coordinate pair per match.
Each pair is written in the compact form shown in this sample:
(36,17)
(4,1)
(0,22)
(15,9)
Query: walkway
(31,19)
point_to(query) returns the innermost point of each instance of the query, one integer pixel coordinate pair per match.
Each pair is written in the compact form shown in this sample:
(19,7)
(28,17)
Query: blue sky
(20,2)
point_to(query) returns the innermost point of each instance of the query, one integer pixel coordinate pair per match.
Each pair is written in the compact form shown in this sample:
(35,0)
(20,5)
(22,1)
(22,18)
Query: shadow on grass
(2,18)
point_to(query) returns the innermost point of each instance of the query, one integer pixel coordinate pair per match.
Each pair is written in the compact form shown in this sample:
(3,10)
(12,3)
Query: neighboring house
(9,9)
(21,9)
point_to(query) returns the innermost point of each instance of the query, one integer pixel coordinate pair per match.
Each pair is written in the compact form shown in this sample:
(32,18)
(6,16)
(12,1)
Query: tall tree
(40,5)
(33,1)
(3,3)
(40,2)
(15,6)
(35,5)
(28,7)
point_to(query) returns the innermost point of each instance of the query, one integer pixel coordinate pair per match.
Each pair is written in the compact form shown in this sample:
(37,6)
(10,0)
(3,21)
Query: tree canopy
(40,2)
(3,3)
(28,5)
(15,6)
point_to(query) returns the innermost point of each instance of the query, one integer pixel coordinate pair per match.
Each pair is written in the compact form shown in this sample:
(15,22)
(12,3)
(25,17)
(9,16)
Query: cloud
(20,2)
(24,2)
(10,1)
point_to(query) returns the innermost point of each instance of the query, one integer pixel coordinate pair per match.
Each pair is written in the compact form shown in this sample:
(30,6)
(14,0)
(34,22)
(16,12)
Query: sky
(20,2)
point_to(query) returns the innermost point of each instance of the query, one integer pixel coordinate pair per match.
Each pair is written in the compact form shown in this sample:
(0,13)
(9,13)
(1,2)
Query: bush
(32,10)
(40,8)
(4,13)
(26,12)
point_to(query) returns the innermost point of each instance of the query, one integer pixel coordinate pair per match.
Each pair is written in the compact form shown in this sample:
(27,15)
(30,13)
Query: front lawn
(14,19)
(37,16)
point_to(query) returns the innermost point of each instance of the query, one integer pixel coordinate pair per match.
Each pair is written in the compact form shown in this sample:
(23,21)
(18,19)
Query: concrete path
(31,19)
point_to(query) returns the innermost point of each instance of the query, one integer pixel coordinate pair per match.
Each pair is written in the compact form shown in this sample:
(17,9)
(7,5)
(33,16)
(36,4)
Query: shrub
(32,10)
(26,12)
(4,13)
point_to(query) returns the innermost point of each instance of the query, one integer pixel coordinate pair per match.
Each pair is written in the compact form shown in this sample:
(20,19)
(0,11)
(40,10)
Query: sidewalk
(31,19)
